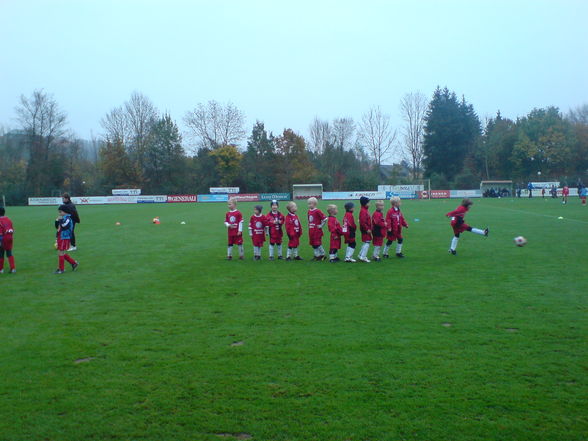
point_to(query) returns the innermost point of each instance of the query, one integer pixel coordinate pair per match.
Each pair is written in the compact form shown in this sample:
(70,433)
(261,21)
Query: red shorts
(457,229)
(63,244)
(293,242)
(7,242)
(366,237)
(235,240)
(276,238)
(258,240)
(315,237)
(378,241)
(394,235)
(335,243)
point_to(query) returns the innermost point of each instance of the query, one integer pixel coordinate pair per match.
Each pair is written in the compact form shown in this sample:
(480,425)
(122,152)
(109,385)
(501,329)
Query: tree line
(441,139)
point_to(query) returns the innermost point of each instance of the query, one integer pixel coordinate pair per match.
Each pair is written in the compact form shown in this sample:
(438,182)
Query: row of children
(64,225)
(374,229)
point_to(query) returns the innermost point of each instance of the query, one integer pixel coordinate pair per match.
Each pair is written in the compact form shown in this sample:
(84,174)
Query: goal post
(305,191)
(498,186)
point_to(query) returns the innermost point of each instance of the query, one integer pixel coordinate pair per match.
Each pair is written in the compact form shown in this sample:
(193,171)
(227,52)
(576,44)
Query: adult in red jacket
(395,221)
(459,226)
(349,229)
(365,226)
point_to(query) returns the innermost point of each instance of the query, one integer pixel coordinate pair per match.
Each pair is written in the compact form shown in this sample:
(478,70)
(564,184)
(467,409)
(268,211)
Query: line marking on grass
(539,214)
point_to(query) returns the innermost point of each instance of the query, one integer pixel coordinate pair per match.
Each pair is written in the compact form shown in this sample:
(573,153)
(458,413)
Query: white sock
(280,250)
(295,251)
(377,251)
(398,248)
(454,243)
(271,250)
(386,248)
(316,252)
(364,250)
(258,251)
(478,231)
(349,252)
(230,251)
(241,252)
(321,250)
(288,253)
(332,256)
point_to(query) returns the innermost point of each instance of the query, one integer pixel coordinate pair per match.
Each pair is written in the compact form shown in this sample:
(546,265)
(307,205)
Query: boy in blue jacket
(64,225)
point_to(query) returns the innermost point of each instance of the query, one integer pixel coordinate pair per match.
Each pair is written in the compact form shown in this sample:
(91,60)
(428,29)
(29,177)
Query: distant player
(565,192)
(275,220)
(257,226)
(543,192)
(336,233)
(583,194)
(365,226)
(6,241)
(316,222)
(395,222)
(294,231)
(379,230)
(459,226)
(64,230)
(234,224)
(349,228)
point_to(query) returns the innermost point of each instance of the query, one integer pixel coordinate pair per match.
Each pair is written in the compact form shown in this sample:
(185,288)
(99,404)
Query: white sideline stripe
(542,215)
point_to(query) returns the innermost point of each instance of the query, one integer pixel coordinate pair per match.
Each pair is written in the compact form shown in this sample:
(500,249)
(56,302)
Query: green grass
(330,351)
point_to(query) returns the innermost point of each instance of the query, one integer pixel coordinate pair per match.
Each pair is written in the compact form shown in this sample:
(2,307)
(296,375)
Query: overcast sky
(285,62)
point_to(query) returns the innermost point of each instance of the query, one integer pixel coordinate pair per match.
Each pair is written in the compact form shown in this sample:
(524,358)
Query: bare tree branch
(342,132)
(375,132)
(214,125)
(413,107)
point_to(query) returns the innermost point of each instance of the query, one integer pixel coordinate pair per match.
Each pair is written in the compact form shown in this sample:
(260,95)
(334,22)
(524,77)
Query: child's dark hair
(258,208)
(66,196)
(2,211)
(467,202)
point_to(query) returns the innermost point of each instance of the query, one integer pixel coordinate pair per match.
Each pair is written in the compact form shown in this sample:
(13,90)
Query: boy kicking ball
(64,231)
(459,226)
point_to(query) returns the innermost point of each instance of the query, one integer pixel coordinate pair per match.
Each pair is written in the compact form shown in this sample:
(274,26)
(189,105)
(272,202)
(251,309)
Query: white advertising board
(224,190)
(126,191)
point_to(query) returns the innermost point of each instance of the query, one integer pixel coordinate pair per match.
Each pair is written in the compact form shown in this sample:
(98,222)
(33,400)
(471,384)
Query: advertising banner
(466,193)
(103,200)
(158,199)
(224,190)
(401,188)
(434,194)
(213,197)
(546,185)
(352,195)
(181,198)
(245,197)
(402,194)
(276,196)
(45,201)
(126,191)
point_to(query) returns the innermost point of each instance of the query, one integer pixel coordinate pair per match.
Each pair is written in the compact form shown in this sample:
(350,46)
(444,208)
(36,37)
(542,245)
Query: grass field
(157,337)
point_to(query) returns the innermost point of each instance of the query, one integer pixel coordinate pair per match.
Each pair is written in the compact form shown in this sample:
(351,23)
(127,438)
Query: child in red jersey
(395,222)
(65,226)
(316,222)
(6,241)
(336,233)
(379,229)
(365,226)
(275,220)
(565,192)
(294,231)
(349,229)
(459,226)
(257,227)
(234,224)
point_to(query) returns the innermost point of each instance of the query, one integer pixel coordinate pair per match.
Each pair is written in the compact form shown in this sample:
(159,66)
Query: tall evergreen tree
(259,170)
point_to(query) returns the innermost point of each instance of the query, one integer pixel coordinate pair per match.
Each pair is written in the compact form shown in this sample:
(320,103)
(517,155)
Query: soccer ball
(520,241)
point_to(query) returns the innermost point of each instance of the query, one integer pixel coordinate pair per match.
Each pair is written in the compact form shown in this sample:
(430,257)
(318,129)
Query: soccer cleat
(298,258)
(453,252)
(376,259)
(271,258)
(58,271)
(400,255)
(486,232)
(288,258)
(321,258)
(74,266)
(72,248)
(257,257)
(280,258)
(229,257)
(350,260)
(12,271)
(385,256)
(364,259)
(241,257)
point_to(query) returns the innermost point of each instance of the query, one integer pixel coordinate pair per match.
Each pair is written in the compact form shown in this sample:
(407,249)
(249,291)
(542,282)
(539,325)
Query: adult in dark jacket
(75,217)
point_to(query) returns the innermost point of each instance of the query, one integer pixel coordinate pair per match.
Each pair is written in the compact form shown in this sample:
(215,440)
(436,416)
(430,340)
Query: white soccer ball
(520,241)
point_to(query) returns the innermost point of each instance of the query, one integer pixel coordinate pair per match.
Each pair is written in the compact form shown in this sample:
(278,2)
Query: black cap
(349,206)
(62,208)
(364,200)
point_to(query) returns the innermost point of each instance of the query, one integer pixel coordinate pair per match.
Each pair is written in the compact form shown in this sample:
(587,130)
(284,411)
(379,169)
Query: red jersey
(275,222)
(234,222)
(457,219)
(257,226)
(395,221)
(379,227)
(365,224)
(6,227)
(565,191)
(293,230)
(349,227)
(316,219)
(336,232)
